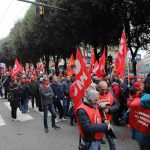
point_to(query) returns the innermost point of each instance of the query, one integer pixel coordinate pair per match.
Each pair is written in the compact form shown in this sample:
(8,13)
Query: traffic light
(41,10)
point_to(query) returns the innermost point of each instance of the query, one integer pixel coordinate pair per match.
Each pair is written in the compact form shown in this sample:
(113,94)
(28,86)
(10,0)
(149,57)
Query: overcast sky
(10,12)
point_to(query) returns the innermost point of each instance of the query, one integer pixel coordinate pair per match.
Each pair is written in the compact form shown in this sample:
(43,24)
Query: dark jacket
(66,87)
(16,101)
(46,95)
(6,80)
(58,93)
(88,128)
(25,91)
(33,88)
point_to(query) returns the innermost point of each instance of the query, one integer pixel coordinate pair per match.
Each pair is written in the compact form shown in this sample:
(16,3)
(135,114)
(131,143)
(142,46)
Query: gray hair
(91,95)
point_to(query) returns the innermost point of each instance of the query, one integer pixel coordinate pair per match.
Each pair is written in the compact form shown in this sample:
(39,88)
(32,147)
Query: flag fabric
(99,68)
(96,68)
(71,61)
(119,67)
(92,61)
(69,72)
(82,77)
(102,63)
(40,66)
(17,68)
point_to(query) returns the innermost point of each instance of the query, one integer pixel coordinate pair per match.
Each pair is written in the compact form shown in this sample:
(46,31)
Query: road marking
(36,109)
(20,115)
(2,122)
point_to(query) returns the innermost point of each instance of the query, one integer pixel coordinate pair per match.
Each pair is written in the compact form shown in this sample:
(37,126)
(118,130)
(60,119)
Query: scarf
(46,86)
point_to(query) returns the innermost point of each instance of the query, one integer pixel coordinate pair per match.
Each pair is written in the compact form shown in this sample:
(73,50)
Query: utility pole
(44,5)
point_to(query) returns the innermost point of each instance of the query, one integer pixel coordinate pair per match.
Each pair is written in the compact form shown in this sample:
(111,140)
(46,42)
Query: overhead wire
(14,20)
(6,11)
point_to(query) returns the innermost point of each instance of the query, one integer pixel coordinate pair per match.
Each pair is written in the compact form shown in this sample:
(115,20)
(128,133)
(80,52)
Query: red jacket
(116,90)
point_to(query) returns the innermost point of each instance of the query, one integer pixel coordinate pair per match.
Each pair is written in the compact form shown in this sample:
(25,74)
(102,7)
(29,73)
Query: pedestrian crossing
(22,117)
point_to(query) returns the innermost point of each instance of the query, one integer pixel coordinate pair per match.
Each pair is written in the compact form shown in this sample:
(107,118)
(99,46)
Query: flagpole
(128,68)
(127,59)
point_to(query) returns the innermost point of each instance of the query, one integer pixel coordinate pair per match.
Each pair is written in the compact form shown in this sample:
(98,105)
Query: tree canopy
(96,23)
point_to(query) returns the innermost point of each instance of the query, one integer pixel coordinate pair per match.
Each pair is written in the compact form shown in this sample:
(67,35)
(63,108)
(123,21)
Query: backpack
(11,96)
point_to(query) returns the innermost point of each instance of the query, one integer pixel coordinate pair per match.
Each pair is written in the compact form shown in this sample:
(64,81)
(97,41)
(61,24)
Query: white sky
(10,12)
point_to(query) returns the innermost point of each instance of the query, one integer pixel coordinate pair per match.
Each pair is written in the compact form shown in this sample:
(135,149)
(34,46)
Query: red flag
(17,68)
(96,67)
(71,61)
(70,72)
(82,77)
(102,64)
(92,61)
(120,59)
(40,66)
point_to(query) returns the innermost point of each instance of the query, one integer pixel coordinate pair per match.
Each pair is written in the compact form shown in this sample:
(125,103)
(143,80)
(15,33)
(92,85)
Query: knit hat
(118,81)
(139,77)
(131,76)
(138,85)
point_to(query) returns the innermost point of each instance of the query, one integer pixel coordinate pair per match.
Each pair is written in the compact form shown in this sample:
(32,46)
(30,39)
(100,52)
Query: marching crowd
(105,102)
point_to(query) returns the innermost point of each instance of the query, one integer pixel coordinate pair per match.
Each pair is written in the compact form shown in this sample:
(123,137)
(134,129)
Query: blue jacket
(58,92)
(140,137)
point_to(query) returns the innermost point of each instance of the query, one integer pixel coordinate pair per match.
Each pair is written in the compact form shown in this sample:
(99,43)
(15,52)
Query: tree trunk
(47,63)
(95,52)
(65,64)
(56,64)
(134,65)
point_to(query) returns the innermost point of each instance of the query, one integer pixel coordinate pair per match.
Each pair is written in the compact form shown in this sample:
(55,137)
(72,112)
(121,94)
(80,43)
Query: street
(28,133)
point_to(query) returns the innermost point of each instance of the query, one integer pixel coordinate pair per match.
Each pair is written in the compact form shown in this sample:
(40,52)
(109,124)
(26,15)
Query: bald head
(103,87)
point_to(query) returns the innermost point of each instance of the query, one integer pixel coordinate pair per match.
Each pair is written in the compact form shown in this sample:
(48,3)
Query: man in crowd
(108,106)
(90,122)
(58,95)
(66,89)
(47,95)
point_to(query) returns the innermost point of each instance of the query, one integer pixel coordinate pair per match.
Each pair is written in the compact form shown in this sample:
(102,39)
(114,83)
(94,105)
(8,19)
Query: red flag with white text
(82,77)
(119,67)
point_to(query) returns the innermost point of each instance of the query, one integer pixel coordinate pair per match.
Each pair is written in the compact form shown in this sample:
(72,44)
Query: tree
(136,18)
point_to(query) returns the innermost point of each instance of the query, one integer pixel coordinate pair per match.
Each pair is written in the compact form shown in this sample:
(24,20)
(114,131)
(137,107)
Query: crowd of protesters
(111,97)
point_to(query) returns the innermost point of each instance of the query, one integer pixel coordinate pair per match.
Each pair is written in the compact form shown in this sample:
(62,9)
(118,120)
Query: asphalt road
(28,134)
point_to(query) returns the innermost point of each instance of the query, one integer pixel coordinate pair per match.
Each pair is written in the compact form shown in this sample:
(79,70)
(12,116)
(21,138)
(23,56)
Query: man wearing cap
(47,101)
